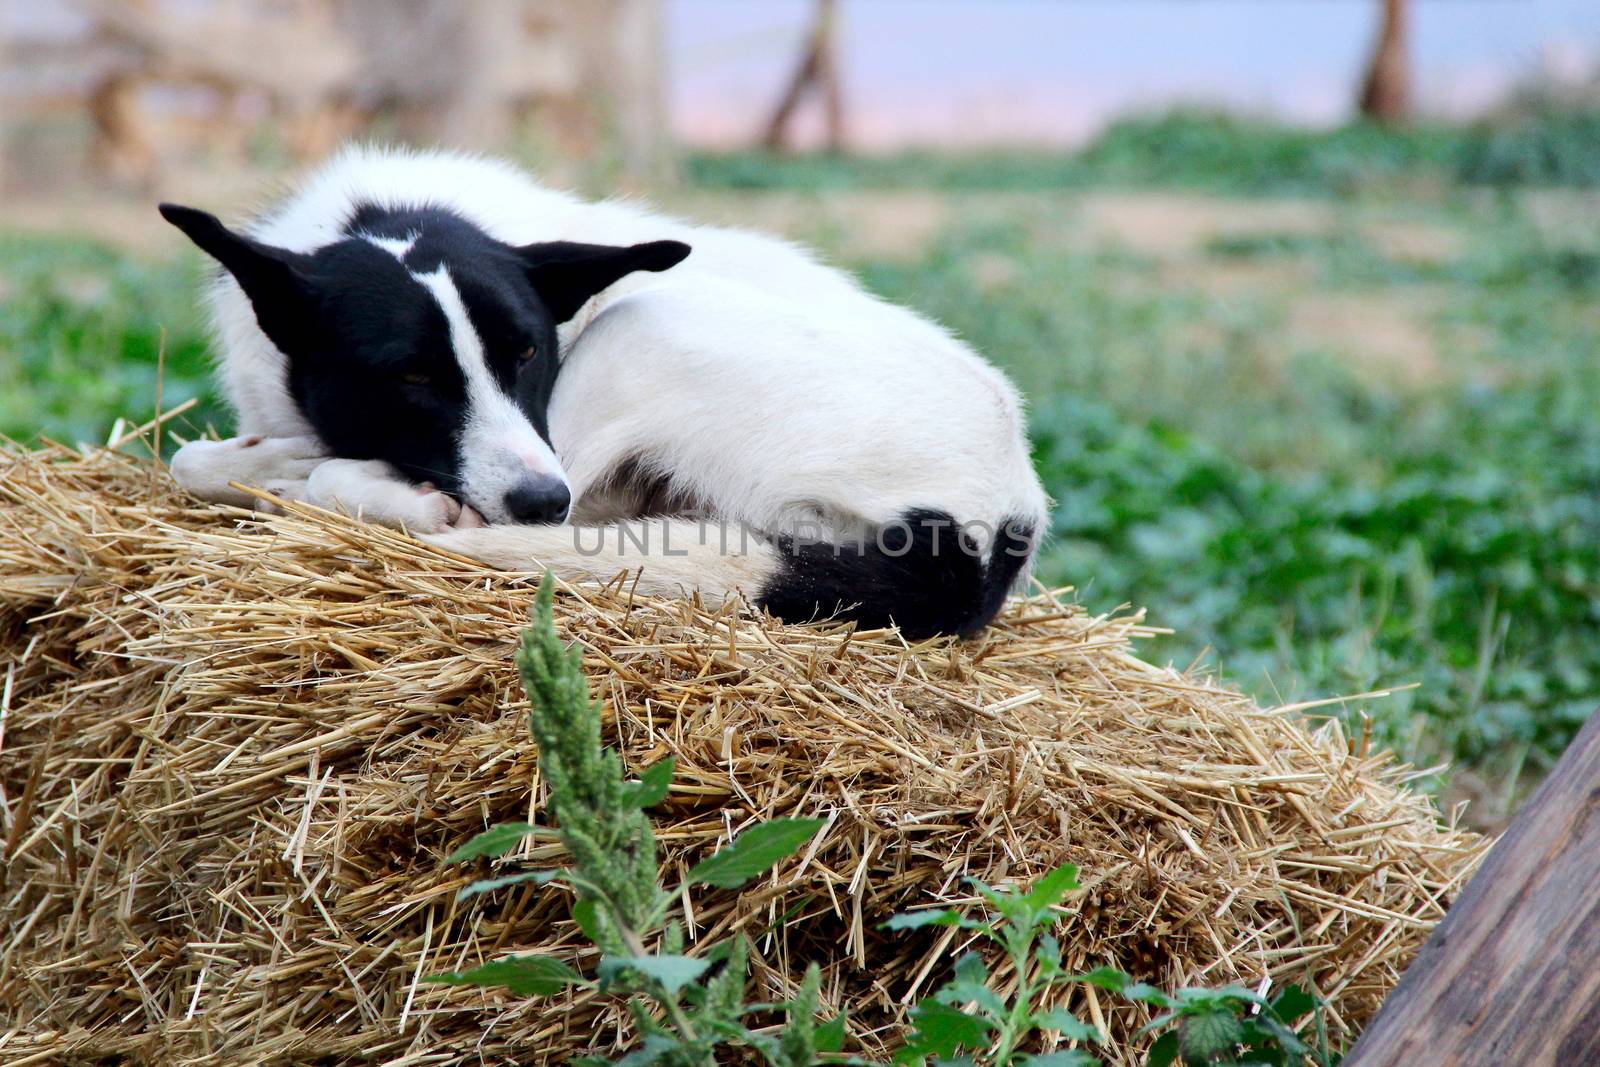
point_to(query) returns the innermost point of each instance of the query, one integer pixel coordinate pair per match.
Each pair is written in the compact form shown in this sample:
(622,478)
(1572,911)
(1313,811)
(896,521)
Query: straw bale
(234,751)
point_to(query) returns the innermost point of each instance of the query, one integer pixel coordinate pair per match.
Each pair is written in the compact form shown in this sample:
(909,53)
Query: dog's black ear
(271,277)
(566,273)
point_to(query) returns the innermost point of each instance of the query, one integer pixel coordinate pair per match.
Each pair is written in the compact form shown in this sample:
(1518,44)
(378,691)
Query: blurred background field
(1319,388)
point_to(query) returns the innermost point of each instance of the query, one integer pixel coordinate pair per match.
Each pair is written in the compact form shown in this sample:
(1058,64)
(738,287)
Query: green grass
(1308,526)
(1320,531)
(82,332)
(1551,146)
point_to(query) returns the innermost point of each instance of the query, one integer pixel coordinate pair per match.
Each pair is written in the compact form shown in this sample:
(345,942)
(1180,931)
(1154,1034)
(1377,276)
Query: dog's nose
(539,498)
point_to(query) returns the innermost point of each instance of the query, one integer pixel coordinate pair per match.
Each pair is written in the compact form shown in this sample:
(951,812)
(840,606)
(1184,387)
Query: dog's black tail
(923,572)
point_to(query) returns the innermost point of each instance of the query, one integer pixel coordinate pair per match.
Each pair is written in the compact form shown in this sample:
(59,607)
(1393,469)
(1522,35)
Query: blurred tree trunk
(584,78)
(300,64)
(819,69)
(581,80)
(624,79)
(1386,91)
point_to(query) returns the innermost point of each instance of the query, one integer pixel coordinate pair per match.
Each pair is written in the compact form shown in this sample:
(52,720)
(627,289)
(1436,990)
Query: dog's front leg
(373,491)
(280,465)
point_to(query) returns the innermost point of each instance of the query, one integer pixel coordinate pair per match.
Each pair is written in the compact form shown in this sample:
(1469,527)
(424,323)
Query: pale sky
(1056,70)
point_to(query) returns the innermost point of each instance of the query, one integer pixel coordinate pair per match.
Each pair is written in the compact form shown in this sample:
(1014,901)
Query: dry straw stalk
(234,750)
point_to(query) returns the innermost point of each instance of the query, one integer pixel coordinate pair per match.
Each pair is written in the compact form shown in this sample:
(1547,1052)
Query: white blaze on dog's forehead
(499,446)
(395,246)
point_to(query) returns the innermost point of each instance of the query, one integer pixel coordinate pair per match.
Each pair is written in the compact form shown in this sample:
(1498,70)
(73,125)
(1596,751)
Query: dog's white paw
(371,491)
(205,468)
(283,449)
(435,512)
(292,491)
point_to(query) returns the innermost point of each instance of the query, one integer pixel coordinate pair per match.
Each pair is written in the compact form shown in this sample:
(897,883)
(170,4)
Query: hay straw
(235,750)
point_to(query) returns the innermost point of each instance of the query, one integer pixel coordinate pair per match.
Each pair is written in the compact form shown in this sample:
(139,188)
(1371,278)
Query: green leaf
(1293,1002)
(1210,1036)
(1265,1027)
(527,976)
(651,788)
(486,884)
(942,1029)
(971,985)
(995,896)
(1157,1023)
(771,1048)
(724,991)
(1147,994)
(1106,978)
(586,914)
(829,1036)
(1164,1053)
(1069,1025)
(654,1049)
(673,972)
(914,920)
(970,968)
(1066,1057)
(1216,998)
(495,841)
(754,852)
(1053,887)
(1010,903)
(1049,956)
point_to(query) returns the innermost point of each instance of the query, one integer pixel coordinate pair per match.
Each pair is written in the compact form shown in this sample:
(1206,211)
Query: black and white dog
(434,341)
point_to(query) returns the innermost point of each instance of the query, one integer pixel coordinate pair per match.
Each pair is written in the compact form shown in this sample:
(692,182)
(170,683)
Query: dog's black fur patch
(379,332)
(921,572)
(371,364)
(508,314)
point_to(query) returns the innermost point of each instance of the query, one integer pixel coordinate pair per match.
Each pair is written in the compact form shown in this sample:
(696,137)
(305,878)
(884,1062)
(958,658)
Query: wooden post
(7,112)
(636,80)
(819,67)
(1512,974)
(1386,89)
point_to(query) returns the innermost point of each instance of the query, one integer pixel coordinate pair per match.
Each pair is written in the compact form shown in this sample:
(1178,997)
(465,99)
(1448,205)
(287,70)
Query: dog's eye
(528,353)
(416,379)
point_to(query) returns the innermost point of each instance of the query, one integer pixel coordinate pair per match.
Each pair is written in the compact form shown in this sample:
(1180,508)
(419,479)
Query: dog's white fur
(774,391)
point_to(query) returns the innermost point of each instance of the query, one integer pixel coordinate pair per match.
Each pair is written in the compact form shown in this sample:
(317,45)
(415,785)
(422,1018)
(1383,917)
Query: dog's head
(420,340)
